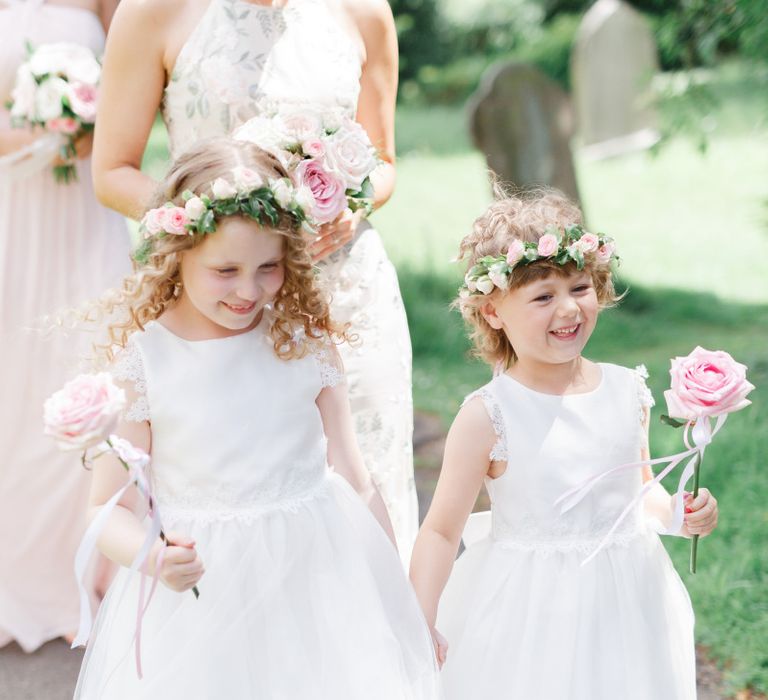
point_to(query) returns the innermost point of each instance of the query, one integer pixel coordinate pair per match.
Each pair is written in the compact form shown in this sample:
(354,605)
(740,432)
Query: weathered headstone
(613,61)
(522,122)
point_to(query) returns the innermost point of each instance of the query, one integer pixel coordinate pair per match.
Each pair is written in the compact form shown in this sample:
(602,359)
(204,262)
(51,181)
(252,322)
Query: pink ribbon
(88,545)
(702,433)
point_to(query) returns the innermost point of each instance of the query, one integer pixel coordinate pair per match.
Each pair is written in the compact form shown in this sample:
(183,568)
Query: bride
(209,66)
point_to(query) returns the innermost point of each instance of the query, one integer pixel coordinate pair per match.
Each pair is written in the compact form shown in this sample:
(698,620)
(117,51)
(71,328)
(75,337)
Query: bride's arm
(378,87)
(132,83)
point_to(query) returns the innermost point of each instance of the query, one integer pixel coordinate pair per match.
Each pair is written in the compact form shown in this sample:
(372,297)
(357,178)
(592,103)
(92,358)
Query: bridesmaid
(209,65)
(58,248)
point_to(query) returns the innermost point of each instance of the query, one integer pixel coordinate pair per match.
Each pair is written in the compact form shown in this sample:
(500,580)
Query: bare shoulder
(370,16)
(473,423)
(150,14)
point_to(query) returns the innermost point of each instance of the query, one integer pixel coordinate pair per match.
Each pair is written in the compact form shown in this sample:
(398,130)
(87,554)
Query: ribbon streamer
(701,432)
(88,545)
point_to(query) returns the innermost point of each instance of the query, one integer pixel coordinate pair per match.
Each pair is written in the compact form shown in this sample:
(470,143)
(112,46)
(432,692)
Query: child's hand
(441,646)
(182,567)
(700,514)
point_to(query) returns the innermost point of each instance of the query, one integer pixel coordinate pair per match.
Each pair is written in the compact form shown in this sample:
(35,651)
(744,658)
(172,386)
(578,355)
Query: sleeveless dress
(523,618)
(58,249)
(238,59)
(304,596)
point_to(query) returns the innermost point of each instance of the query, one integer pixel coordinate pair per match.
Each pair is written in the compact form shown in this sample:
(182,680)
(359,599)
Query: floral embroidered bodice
(552,443)
(241,58)
(235,429)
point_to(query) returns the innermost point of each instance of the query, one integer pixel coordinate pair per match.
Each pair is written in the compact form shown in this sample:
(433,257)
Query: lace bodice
(235,429)
(243,58)
(552,443)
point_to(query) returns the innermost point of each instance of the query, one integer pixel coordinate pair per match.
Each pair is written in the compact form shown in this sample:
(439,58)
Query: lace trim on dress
(329,364)
(644,395)
(129,367)
(498,452)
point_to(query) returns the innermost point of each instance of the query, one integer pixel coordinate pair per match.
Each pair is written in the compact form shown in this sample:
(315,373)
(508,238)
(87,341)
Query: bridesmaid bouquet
(56,90)
(706,385)
(81,416)
(327,154)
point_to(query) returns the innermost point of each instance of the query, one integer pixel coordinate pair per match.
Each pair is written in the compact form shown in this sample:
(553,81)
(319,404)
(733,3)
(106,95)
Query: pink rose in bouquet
(63,125)
(82,101)
(84,412)
(350,154)
(326,188)
(706,383)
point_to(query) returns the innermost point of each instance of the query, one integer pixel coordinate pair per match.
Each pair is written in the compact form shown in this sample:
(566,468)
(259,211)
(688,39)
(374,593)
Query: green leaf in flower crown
(674,422)
(186,195)
(207,222)
(141,254)
(270,211)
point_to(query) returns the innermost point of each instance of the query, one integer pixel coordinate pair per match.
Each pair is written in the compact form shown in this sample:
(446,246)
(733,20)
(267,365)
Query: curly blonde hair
(146,294)
(522,215)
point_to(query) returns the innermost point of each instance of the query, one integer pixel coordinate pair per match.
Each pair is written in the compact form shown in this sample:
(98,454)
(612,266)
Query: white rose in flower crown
(246,180)
(283,191)
(222,189)
(497,274)
(350,155)
(485,285)
(48,104)
(132,456)
(195,208)
(84,412)
(23,95)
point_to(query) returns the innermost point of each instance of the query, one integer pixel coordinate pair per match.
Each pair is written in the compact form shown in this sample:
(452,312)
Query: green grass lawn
(693,235)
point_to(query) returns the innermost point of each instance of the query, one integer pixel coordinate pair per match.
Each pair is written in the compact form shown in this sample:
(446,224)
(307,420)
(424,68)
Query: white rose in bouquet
(48,99)
(23,94)
(350,154)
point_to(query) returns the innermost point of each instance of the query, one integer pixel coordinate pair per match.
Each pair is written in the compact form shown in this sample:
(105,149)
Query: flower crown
(247,194)
(572,244)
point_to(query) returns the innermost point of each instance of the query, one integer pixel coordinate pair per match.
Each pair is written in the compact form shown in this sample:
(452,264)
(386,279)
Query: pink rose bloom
(176,219)
(547,245)
(84,412)
(314,148)
(63,125)
(706,383)
(515,252)
(154,221)
(82,101)
(588,243)
(605,252)
(327,189)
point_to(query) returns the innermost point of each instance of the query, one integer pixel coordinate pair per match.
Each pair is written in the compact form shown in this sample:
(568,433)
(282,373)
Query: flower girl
(235,388)
(522,617)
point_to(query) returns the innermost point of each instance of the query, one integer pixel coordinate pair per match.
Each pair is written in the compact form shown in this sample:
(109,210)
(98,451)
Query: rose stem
(695,538)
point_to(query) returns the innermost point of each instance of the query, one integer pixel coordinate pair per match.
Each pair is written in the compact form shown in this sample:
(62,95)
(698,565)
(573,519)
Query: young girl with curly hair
(226,351)
(523,612)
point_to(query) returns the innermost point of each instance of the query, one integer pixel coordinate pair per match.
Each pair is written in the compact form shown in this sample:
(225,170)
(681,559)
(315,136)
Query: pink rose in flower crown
(588,243)
(327,190)
(84,412)
(515,252)
(154,221)
(82,101)
(63,125)
(605,252)
(548,244)
(176,219)
(706,383)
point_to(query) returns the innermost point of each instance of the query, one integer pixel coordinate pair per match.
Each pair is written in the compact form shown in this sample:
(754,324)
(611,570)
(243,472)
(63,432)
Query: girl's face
(232,274)
(549,320)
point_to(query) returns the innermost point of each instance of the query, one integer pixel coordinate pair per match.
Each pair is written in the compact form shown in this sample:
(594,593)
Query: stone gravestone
(522,121)
(612,64)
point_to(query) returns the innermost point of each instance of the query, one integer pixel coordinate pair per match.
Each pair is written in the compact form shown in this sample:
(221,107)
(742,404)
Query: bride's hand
(336,234)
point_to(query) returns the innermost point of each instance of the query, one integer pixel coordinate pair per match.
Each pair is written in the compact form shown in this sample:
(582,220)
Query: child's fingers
(179,540)
(179,555)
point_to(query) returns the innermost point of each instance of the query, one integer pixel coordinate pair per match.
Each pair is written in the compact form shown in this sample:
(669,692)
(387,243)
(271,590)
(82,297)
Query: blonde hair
(523,215)
(146,294)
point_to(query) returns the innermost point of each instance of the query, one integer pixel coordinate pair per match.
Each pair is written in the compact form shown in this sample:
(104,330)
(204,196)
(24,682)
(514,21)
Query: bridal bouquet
(56,90)
(327,154)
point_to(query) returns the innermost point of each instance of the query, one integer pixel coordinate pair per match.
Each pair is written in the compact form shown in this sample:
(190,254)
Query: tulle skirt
(525,624)
(306,600)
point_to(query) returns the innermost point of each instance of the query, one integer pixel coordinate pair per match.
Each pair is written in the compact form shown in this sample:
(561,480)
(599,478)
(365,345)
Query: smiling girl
(523,617)
(227,354)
